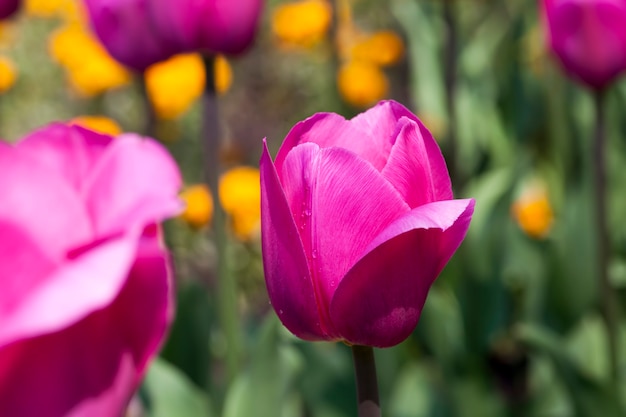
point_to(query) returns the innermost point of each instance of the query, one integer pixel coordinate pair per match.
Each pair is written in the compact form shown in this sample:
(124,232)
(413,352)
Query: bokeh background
(512,327)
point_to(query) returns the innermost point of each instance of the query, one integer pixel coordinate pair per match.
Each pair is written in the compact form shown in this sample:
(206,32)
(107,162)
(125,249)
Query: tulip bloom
(216,26)
(126,31)
(357,221)
(588,37)
(139,33)
(8,7)
(86,281)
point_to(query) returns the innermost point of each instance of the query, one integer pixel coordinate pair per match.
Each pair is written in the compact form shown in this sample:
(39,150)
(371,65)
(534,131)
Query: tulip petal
(330,129)
(220,26)
(23,266)
(233,25)
(379,301)
(149,294)
(588,37)
(176,23)
(125,30)
(285,265)
(8,7)
(75,289)
(44,205)
(90,368)
(370,135)
(70,151)
(142,177)
(381,121)
(340,203)
(76,372)
(416,167)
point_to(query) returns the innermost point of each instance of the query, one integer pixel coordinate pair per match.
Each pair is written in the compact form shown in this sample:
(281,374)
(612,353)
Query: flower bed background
(513,326)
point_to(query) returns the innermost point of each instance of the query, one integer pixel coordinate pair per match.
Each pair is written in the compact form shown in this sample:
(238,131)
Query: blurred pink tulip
(588,37)
(216,26)
(125,29)
(357,221)
(139,33)
(8,7)
(86,283)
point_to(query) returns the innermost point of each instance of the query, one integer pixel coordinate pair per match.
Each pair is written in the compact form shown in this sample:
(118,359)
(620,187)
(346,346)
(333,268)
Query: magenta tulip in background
(216,26)
(125,29)
(139,33)
(358,219)
(86,282)
(8,7)
(588,37)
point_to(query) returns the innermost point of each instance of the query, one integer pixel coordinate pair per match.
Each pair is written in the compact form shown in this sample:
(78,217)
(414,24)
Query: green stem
(450,79)
(227,288)
(150,122)
(366,384)
(609,306)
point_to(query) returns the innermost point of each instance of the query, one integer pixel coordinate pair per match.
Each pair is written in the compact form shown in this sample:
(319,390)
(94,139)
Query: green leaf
(424,34)
(264,389)
(412,395)
(573,286)
(171,394)
(588,345)
(441,324)
(187,346)
(589,397)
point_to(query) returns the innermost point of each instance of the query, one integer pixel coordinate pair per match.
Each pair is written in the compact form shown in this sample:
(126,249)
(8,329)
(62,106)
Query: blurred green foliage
(512,326)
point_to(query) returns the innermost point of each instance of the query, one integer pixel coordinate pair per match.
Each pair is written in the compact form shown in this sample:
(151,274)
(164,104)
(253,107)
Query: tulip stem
(150,113)
(609,307)
(227,289)
(450,79)
(366,384)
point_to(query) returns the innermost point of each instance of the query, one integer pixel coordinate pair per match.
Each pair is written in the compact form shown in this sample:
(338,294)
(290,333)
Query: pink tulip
(216,26)
(86,281)
(588,37)
(139,33)
(125,29)
(357,221)
(8,7)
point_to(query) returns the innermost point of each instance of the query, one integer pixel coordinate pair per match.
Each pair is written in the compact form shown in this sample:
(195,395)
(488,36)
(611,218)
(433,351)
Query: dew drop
(280,312)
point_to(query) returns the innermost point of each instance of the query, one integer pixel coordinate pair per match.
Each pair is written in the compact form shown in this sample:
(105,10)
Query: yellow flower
(302,23)
(223,74)
(175,84)
(69,9)
(199,205)
(382,48)
(8,74)
(90,69)
(99,124)
(533,211)
(362,83)
(240,195)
